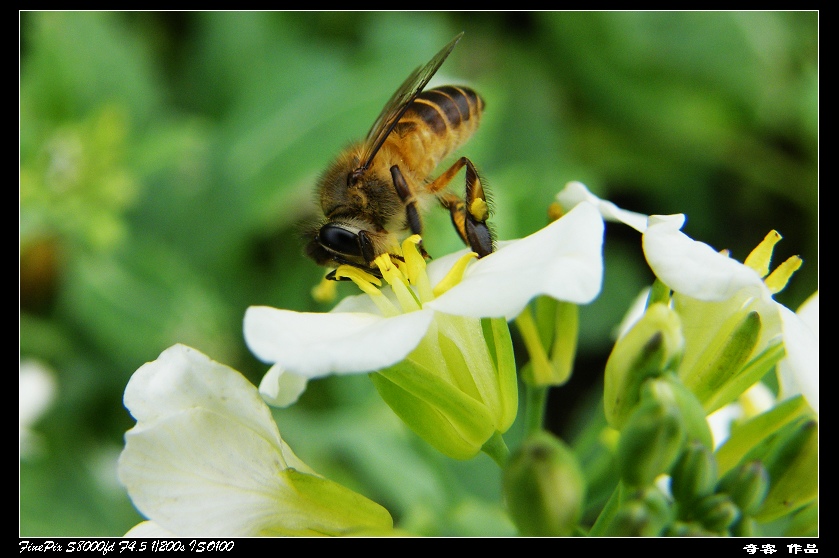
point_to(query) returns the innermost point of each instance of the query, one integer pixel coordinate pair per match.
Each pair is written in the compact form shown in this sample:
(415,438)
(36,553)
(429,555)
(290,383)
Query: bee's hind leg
(469,215)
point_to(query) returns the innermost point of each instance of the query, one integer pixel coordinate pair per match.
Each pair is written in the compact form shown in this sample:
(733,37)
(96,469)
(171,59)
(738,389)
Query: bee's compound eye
(339,239)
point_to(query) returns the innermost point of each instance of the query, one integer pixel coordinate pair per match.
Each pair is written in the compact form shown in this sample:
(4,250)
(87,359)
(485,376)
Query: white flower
(206,459)
(37,387)
(712,291)
(563,261)
(450,376)
(799,371)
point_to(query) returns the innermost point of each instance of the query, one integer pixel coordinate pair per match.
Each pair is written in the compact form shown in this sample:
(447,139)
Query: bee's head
(337,243)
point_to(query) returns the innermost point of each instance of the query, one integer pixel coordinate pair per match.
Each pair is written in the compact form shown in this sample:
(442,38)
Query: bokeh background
(168,160)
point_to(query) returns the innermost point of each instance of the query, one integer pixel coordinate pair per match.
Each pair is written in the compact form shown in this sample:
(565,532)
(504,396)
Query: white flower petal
(809,313)
(149,530)
(799,371)
(360,303)
(564,260)
(313,345)
(198,473)
(720,422)
(281,388)
(183,378)
(693,268)
(37,387)
(576,192)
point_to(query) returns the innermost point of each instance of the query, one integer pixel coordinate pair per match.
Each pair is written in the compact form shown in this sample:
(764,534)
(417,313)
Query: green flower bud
(723,358)
(741,380)
(688,529)
(745,526)
(631,520)
(746,485)
(544,487)
(693,415)
(643,514)
(756,431)
(694,475)
(792,461)
(652,346)
(716,512)
(805,522)
(651,440)
(656,501)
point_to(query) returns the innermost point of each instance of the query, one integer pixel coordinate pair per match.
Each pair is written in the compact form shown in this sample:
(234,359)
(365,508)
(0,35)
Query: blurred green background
(168,161)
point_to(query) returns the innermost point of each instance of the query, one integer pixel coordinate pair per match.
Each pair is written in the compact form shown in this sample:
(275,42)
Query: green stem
(534,409)
(497,449)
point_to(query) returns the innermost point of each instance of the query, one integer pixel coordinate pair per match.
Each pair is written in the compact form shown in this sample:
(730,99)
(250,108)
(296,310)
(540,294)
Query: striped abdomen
(436,123)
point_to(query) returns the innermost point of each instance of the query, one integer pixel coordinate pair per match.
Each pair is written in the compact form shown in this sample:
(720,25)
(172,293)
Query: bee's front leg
(470,214)
(412,216)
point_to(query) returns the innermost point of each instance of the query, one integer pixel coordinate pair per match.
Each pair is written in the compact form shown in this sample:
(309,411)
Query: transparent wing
(398,103)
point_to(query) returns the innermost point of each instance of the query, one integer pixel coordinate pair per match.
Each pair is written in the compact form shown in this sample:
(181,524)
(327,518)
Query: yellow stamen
(359,277)
(398,282)
(479,210)
(455,274)
(779,278)
(368,283)
(555,211)
(325,291)
(415,267)
(761,257)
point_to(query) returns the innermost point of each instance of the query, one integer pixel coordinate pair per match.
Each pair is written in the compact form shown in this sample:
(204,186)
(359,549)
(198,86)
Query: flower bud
(757,430)
(792,462)
(805,522)
(544,487)
(693,415)
(687,529)
(746,485)
(745,526)
(649,348)
(723,358)
(644,514)
(694,475)
(716,512)
(651,441)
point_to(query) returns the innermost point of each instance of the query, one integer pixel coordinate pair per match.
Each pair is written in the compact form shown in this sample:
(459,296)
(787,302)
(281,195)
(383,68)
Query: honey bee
(375,191)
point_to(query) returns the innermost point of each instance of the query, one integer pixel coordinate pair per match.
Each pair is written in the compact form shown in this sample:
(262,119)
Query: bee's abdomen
(442,119)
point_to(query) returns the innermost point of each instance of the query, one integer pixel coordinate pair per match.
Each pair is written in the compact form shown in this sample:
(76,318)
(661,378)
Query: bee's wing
(398,103)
